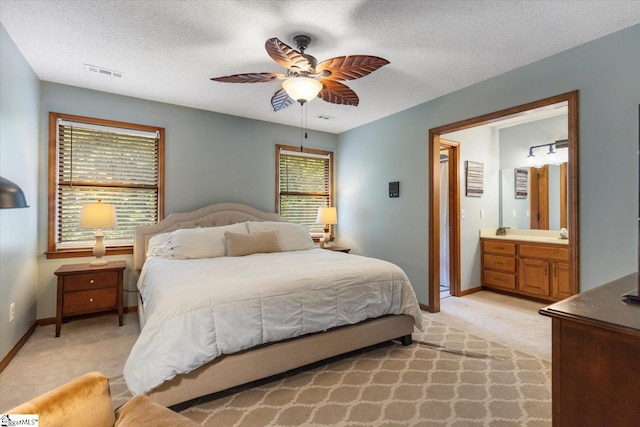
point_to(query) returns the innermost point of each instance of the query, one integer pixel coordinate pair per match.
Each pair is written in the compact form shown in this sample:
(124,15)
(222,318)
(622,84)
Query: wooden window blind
(117,163)
(304,184)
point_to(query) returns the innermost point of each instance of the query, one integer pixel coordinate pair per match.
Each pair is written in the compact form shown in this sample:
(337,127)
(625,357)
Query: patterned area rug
(445,378)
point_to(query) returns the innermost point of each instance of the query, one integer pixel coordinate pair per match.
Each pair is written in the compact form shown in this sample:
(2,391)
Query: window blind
(116,165)
(304,186)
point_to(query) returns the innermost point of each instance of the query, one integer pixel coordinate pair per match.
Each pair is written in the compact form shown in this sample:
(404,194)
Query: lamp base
(325,240)
(99,251)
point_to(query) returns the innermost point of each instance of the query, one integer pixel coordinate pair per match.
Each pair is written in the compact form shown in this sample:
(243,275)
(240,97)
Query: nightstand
(83,289)
(337,249)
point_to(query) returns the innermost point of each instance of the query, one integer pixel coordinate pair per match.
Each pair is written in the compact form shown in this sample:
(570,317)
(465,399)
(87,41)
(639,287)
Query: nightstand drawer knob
(91,281)
(90,299)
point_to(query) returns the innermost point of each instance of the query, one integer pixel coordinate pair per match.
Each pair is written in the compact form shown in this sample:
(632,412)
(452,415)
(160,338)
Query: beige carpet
(512,322)
(453,379)
(86,345)
(447,377)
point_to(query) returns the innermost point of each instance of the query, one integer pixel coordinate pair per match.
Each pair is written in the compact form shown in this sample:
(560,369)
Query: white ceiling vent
(103,71)
(325,117)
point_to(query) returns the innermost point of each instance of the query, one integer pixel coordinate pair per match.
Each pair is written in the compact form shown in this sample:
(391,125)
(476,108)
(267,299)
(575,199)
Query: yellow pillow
(252,243)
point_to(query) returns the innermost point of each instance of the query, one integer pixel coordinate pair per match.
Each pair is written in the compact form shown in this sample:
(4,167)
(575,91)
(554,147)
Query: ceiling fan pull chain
(306,121)
(301,126)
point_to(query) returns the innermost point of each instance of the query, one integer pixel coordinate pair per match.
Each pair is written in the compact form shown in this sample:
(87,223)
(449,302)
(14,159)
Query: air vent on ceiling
(103,71)
(325,117)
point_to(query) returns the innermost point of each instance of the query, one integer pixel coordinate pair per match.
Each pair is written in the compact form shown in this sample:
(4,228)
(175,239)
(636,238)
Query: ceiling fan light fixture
(302,89)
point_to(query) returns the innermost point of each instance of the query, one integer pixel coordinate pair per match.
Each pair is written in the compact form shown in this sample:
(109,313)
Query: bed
(216,317)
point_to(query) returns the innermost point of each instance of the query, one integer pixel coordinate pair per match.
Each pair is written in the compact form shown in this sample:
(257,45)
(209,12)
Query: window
(304,182)
(93,159)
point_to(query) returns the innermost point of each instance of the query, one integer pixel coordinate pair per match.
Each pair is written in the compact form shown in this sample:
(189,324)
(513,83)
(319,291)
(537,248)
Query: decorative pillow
(293,237)
(207,242)
(157,245)
(252,243)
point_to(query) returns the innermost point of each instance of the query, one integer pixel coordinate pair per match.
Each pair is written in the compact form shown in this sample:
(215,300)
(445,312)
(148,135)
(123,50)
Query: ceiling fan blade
(337,93)
(250,78)
(287,56)
(350,67)
(280,100)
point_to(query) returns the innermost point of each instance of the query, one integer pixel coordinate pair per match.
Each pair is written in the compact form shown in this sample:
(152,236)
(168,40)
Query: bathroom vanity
(531,263)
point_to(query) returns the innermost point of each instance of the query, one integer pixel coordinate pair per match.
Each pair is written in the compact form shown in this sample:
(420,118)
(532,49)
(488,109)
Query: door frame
(453,151)
(434,187)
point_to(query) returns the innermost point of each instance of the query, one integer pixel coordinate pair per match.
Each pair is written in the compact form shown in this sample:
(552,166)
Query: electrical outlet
(515,214)
(481,213)
(12,311)
(462,214)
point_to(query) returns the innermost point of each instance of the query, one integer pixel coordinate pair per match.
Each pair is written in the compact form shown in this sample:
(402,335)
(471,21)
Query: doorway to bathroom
(448,216)
(436,145)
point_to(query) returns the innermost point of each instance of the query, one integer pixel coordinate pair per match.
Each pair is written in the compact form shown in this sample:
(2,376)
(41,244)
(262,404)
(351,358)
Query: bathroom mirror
(542,141)
(549,199)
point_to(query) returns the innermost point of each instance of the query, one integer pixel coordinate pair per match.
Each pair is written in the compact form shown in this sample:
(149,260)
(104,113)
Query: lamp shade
(302,89)
(327,215)
(98,215)
(11,196)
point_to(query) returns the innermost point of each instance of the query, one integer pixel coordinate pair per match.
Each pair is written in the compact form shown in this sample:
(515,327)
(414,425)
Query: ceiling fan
(305,78)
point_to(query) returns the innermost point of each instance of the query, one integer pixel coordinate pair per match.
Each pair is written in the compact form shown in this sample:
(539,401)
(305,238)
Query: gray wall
(605,71)
(19,111)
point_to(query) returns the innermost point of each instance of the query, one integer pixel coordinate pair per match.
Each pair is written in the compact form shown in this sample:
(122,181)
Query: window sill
(87,252)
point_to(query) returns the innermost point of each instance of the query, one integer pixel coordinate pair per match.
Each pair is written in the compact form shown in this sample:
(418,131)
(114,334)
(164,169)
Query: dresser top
(86,268)
(602,306)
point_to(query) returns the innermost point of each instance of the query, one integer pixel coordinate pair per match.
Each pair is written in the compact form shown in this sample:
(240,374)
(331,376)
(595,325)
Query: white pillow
(207,242)
(293,237)
(157,245)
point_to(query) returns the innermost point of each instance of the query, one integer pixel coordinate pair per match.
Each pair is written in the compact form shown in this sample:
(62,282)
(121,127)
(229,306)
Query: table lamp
(326,215)
(98,215)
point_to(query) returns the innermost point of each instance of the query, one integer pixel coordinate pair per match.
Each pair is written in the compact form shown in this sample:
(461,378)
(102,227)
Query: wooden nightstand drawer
(90,301)
(89,281)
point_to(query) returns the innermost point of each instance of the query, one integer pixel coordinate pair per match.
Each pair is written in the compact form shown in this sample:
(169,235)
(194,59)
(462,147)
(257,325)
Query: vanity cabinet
(533,277)
(499,264)
(539,270)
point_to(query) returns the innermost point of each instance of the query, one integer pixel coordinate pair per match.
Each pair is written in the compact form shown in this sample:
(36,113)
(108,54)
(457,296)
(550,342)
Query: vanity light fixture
(551,153)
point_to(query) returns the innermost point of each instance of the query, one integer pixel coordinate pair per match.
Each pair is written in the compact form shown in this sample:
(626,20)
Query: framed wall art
(474,172)
(521,184)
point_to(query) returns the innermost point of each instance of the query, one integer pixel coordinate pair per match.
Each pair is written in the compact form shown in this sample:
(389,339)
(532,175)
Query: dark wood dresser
(596,357)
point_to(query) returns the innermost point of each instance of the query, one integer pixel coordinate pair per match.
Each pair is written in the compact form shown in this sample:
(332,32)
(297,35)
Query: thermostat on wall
(394,189)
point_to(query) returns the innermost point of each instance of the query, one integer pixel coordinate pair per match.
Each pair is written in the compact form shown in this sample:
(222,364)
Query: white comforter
(199,309)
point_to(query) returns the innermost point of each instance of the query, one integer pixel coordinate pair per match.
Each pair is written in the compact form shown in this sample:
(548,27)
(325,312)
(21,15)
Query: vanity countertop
(522,235)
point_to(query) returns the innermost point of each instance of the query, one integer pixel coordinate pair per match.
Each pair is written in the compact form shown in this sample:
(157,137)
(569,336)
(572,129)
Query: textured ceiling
(168,50)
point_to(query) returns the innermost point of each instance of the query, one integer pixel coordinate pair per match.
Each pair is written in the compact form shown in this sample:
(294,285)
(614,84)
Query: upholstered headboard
(209,216)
